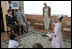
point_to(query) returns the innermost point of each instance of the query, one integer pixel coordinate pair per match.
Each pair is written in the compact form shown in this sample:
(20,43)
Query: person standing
(57,41)
(46,15)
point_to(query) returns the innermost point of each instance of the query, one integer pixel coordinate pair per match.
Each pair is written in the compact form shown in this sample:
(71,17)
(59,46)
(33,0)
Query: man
(47,16)
(57,41)
(22,19)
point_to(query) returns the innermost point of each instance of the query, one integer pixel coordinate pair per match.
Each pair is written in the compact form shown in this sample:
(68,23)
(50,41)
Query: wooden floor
(4,35)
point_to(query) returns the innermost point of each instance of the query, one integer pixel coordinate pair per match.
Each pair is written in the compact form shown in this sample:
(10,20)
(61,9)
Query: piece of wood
(4,5)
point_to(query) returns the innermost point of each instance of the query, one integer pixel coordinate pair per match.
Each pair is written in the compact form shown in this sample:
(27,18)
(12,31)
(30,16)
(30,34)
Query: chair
(8,30)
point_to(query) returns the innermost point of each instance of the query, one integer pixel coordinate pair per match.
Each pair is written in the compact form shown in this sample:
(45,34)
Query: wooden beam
(4,5)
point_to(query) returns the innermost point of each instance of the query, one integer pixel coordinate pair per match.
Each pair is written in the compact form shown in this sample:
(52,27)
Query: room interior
(36,22)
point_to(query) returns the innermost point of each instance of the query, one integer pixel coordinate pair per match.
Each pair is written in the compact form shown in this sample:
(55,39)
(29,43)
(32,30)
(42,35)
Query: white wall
(57,7)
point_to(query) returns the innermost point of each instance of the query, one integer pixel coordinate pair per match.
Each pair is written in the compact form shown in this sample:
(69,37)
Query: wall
(57,7)
(39,19)
(21,4)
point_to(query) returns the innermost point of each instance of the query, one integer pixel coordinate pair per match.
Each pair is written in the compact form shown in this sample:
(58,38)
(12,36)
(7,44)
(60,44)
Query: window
(57,7)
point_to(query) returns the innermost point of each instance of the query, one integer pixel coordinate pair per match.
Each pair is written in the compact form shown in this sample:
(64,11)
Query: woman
(11,21)
(46,15)
(57,41)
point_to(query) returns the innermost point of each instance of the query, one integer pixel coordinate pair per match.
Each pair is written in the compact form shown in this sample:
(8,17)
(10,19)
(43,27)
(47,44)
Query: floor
(4,35)
(35,36)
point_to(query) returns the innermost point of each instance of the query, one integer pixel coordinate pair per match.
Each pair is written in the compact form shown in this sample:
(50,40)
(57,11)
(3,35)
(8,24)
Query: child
(12,42)
(57,41)
(49,35)
(21,29)
(18,30)
(13,32)
(37,45)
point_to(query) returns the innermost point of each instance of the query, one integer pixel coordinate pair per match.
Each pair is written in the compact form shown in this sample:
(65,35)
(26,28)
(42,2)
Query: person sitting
(14,42)
(37,45)
(11,21)
(22,19)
